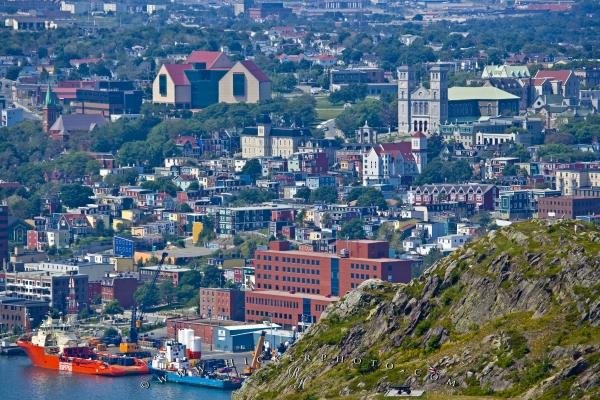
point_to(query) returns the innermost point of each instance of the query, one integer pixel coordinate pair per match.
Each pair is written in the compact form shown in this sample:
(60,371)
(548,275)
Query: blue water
(21,381)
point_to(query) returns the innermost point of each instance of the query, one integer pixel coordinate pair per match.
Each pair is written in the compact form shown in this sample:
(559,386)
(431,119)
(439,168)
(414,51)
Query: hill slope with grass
(515,314)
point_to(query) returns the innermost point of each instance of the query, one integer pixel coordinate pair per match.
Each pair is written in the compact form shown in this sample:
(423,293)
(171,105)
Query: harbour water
(19,380)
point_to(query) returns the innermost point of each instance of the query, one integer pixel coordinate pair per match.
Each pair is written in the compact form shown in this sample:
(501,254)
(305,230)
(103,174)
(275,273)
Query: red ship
(55,346)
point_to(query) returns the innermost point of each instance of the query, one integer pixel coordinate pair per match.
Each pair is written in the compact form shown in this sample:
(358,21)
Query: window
(162,84)
(239,84)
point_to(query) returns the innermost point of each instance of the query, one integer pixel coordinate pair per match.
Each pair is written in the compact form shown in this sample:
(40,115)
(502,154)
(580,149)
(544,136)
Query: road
(330,129)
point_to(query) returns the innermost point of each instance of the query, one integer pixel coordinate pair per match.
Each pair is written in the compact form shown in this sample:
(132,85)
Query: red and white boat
(56,346)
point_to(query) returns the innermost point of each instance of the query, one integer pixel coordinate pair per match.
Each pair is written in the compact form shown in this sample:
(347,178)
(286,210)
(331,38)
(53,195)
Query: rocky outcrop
(514,314)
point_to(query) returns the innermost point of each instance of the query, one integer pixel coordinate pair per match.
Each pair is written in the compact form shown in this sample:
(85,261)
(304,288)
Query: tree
(161,184)
(185,208)
(324,194)
(510,170)
(284,83)
(237,240)
(212,277)
(75,195)
(367,196)
(349,94)
(166,292)
(145,296)
(352,229)
(252,168)
(192,278)
(113,307)
(303,193)
(438,171)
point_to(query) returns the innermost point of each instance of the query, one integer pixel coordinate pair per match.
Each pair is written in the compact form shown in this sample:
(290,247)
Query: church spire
(50,110)
(50,97)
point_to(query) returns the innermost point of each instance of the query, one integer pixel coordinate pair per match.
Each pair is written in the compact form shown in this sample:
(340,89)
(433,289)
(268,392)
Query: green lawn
(326,110)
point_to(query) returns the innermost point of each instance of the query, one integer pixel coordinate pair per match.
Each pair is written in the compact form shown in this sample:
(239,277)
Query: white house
(393,163)
(452,242)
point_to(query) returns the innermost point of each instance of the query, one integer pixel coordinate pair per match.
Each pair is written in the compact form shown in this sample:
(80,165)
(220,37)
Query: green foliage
(367,196)
(110,334)
(146,296)
(212,277)
(253,169)
(75,165)
(510,170)
(352,229)
(248,248)
(303,193)
(562,153)
(474,388)
(75,195)
(349,94)
(166,291)
(284,83)
(324,194)
(113,307)
(583,130)
(252,196)
(369,110)
(162,184)
(438,171)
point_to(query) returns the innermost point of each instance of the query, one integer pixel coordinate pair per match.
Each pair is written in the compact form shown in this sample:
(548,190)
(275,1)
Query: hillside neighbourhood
(280,153)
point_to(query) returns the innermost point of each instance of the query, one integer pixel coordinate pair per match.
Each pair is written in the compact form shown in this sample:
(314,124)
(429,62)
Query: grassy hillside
(515,314)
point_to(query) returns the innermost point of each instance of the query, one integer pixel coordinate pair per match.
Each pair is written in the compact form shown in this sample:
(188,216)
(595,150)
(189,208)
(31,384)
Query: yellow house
(197,228)
(138,231)
(130,215)
(123,223)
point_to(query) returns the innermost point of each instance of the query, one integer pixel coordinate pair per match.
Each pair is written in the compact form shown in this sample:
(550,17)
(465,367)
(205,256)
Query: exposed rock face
(514,314)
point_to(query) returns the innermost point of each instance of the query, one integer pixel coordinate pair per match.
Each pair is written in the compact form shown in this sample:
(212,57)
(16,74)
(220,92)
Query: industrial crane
(255,364)
(131,346)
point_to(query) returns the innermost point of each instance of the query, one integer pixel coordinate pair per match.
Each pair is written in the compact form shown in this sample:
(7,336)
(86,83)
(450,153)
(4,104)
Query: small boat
(172,365)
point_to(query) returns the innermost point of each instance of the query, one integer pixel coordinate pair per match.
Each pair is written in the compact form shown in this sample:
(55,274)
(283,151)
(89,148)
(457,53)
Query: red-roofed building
(211,59)
(245,82)
(172,86)
(209,77)
(563,82)
(395,163)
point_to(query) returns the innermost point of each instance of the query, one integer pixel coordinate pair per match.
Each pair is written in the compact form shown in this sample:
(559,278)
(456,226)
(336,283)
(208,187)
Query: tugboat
(172,365)
(56,346)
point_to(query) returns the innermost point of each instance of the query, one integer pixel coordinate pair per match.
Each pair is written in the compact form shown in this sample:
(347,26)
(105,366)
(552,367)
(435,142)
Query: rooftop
(465,93)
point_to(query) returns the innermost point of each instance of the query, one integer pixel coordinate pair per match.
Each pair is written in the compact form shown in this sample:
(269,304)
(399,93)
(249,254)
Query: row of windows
(292,260)
(289,269)
(362,266)
(12,317)
(268,314)
(289,288)
(272,302)
(360,276)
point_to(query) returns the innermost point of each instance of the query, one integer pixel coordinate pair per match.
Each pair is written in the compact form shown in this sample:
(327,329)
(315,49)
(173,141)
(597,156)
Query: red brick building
(14,313)
(295,286)
(120,288)
(222,304)
(567,206)
(284,308)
